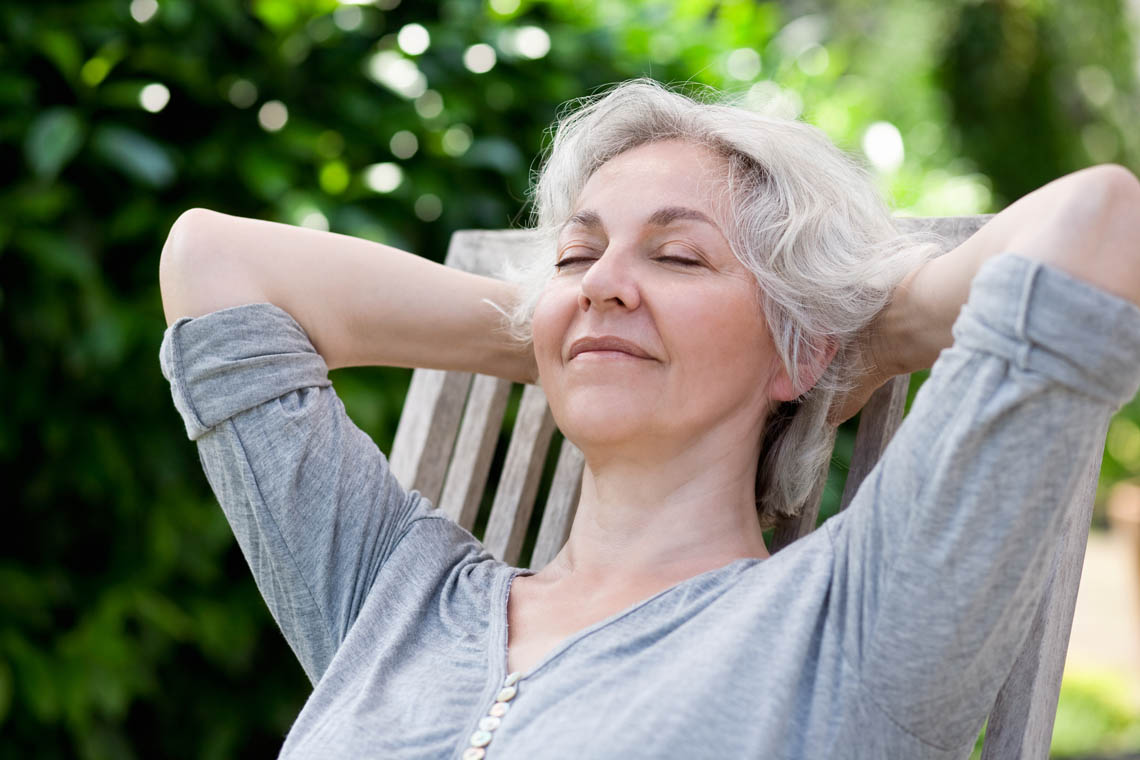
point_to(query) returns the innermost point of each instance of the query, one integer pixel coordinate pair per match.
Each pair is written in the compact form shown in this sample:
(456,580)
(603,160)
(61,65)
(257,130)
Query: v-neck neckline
(502,644)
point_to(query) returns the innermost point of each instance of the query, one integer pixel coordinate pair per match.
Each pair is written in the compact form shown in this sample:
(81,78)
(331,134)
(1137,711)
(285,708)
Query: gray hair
(803,216)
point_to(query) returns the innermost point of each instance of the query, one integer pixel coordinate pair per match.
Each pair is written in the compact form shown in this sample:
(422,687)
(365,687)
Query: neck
(655,522)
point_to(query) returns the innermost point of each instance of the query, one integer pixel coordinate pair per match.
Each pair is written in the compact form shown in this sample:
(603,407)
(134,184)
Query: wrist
(908,334)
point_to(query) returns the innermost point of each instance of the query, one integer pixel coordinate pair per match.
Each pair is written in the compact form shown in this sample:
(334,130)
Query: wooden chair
(451,423)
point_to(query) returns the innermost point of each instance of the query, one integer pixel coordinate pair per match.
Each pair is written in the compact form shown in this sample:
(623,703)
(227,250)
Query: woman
(715,283)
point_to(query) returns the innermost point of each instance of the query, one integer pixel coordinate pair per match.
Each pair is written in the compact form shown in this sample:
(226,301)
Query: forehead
(658,184)
(662,217)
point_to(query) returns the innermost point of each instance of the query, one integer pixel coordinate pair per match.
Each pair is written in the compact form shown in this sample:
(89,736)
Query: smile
(607,346)
(601,354)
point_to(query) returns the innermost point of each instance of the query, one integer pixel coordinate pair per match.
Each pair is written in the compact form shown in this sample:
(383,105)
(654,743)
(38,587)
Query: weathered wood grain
(1021,723)
(526,454)
(878,421)
(474,449)
(426,431)
(561,505)
(798,527)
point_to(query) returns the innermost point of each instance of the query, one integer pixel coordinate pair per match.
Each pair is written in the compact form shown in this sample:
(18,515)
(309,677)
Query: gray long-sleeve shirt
(885,634)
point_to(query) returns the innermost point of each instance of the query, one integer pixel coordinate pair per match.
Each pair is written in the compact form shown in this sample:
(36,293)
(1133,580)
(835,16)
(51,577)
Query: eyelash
(674,259)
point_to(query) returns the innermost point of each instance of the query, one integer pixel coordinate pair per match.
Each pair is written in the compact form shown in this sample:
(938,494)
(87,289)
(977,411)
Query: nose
(610,282)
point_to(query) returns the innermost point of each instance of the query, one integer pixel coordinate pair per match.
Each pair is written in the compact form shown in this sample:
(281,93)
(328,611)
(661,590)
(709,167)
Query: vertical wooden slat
(798,527)
(426,433)
(561,505)
(1021,723)
(514,499)
(474,449)
(878,422)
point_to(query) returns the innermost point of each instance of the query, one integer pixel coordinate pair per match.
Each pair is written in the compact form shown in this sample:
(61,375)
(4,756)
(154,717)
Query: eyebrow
(662,217)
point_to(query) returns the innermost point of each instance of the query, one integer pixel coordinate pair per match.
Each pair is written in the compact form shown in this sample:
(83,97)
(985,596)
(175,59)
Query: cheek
(729,341)
(548,327)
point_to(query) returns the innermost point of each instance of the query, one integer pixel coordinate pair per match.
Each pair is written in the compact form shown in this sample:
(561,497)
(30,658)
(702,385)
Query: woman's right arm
(361,303)
(257,313)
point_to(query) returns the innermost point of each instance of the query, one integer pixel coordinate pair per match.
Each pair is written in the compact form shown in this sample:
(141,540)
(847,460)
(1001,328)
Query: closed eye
(571,260)
(680,260)
(687,261)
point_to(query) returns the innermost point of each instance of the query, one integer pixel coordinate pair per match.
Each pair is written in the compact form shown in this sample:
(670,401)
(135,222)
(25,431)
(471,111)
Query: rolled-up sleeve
(944,552)
(309,496)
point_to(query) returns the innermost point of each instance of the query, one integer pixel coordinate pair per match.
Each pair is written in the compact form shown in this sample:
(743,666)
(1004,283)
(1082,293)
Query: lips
(607,343)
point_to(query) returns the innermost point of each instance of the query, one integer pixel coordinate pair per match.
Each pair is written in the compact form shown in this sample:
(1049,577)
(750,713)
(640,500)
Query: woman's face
(650,331)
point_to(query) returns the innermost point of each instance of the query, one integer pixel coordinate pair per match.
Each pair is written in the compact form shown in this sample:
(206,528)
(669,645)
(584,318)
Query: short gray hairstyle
(802,215)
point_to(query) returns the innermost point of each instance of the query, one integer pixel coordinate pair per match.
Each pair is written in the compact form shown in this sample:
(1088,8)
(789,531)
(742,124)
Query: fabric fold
(1045,327)
(225,362)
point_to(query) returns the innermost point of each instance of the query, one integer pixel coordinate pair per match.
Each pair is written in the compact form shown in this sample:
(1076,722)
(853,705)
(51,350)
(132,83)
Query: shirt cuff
(231,360)
(1046,321)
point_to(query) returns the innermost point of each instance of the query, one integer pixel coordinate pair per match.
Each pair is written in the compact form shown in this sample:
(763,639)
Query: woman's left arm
(1086,223)
(946,548)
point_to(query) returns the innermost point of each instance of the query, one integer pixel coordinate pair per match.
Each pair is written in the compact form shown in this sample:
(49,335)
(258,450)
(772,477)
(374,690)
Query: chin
(602,417)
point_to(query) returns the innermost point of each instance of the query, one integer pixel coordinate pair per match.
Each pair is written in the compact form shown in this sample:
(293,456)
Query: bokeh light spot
(154,97)
(413,39)
(429,105)
(334,177)
(428,207)
(479,58)
(814,60)
(532,42)
(397,73)
(272,115)
(348,18)
(295,48)
(243,93)
(403,144)
(504,7)
(315,220)
(456,140)
(384,177)
(883,145)
(770,99)
(743,63)
(143,11)
(1095,83)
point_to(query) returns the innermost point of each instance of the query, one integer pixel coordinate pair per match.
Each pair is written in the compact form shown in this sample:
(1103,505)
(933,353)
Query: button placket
(494,718)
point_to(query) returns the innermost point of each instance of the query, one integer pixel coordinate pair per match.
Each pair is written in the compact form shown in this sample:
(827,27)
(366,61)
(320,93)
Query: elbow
(186,234)
(1122,181)
(1110,255)
(181,263)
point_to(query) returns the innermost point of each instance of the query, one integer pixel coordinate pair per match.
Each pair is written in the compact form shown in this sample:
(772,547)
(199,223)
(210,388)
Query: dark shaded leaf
(53,139)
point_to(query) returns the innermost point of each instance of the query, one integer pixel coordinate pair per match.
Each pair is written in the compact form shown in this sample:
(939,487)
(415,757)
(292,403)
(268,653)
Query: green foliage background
(129,624)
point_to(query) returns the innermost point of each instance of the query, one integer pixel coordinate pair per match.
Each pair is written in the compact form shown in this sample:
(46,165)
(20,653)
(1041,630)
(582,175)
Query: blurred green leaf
(265,174)
(133,153)
(62,49)
(56,253)
(53,139)
(496,153)
(16,89)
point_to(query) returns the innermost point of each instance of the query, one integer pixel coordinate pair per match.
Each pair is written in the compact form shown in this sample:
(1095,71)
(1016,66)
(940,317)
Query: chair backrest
(452,422)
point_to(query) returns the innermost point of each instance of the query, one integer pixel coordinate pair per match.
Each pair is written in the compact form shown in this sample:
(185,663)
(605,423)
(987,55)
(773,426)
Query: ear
(812,366)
